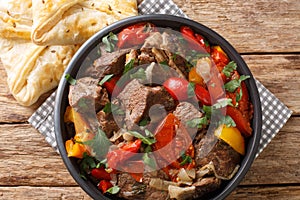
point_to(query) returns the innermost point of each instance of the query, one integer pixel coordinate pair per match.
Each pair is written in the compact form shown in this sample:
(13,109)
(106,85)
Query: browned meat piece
(160,55)
(206,185)
(185,112)
(146,57)
(109,63)
(87,95)
(130,188)
(154,40)
(136,99)
(107,123)
(158,74)
(223,157)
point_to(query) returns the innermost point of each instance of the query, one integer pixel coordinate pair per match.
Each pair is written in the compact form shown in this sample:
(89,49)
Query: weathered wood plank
(37,193)
(26,159)
(279,73)
(274,193)
(250,26)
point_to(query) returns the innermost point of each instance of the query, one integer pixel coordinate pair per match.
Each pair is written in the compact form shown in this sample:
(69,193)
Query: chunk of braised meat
(108,63)
(156,74)
(86,95)
(211,149)
(206,185)
(136,99)
(107,123)
(186,112)
(130,188)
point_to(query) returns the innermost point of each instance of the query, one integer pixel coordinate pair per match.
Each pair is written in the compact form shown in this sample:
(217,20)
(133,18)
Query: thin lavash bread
(65,22)
(31,69)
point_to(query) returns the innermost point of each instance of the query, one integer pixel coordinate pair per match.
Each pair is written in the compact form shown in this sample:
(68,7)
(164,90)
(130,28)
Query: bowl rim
(253,142)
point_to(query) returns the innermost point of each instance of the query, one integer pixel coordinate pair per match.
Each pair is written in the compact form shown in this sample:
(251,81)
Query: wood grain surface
(266,33)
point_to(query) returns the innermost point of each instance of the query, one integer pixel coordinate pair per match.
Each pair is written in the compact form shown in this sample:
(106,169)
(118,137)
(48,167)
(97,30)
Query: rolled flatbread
(65,22)
(15,19)
(33,70)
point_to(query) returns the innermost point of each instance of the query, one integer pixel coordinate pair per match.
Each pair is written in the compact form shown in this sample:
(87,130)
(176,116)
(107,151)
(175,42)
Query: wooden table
(266,33)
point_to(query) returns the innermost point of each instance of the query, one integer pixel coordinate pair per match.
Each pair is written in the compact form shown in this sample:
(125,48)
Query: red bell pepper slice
(104,185)
(241,121)
(171,139)
(177,87)
(100,173)
(117,157)
(203,95)
(111,85)
(196,41)
(135,34)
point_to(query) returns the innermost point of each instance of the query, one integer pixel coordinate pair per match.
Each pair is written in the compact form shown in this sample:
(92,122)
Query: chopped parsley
(191,89)
(70,79)
(112,108)
(229,68)
(232,85)
(197,122)
(110,42)
(185,159)
(105,79)
(145,140)
(113,190)
(128,66)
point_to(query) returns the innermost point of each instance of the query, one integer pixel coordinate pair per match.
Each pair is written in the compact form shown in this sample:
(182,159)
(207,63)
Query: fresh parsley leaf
(191,89)
(228,121)
(145,140)
(185,159)
(144,121)
(109,41)
(149,160)
(105,78)
(197,122)
(232,85)
(70,79)
(112,108)
(99,144)
(238,97)
(148,133)
(139,74)
(229,68)
(128,66)
(87,163)
(113,190)
(222,103)
(164,63)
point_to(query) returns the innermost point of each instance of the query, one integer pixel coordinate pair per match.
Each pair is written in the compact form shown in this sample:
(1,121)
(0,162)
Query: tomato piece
(104,185)
(177,87)
(216,87)
(135,34)
(205,45)
(100,173)
(219,57)
(119,156)
(202,95)
(189,35)
(242,123)
(111,85)
(171,139)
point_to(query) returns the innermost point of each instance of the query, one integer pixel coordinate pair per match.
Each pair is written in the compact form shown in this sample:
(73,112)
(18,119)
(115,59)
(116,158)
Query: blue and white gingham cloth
(274,113)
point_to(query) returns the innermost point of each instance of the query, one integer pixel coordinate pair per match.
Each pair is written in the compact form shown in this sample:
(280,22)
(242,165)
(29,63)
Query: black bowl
(174,22)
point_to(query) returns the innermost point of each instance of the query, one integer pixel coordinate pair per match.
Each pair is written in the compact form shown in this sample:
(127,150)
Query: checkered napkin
(274,112)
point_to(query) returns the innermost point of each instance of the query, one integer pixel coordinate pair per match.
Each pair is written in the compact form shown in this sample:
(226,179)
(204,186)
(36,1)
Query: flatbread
(64,22)
(33,70)
(15,19)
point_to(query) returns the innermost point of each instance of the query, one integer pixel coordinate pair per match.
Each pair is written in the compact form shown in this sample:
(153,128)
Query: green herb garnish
(70,79)
(197,122)
(105,79)
(112,108)
(191,89)
(145,140)
(185,159)
(128,66)
(110,42)
(113,190)
(139,74)
(229,68)
(228,121)
(232,85)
